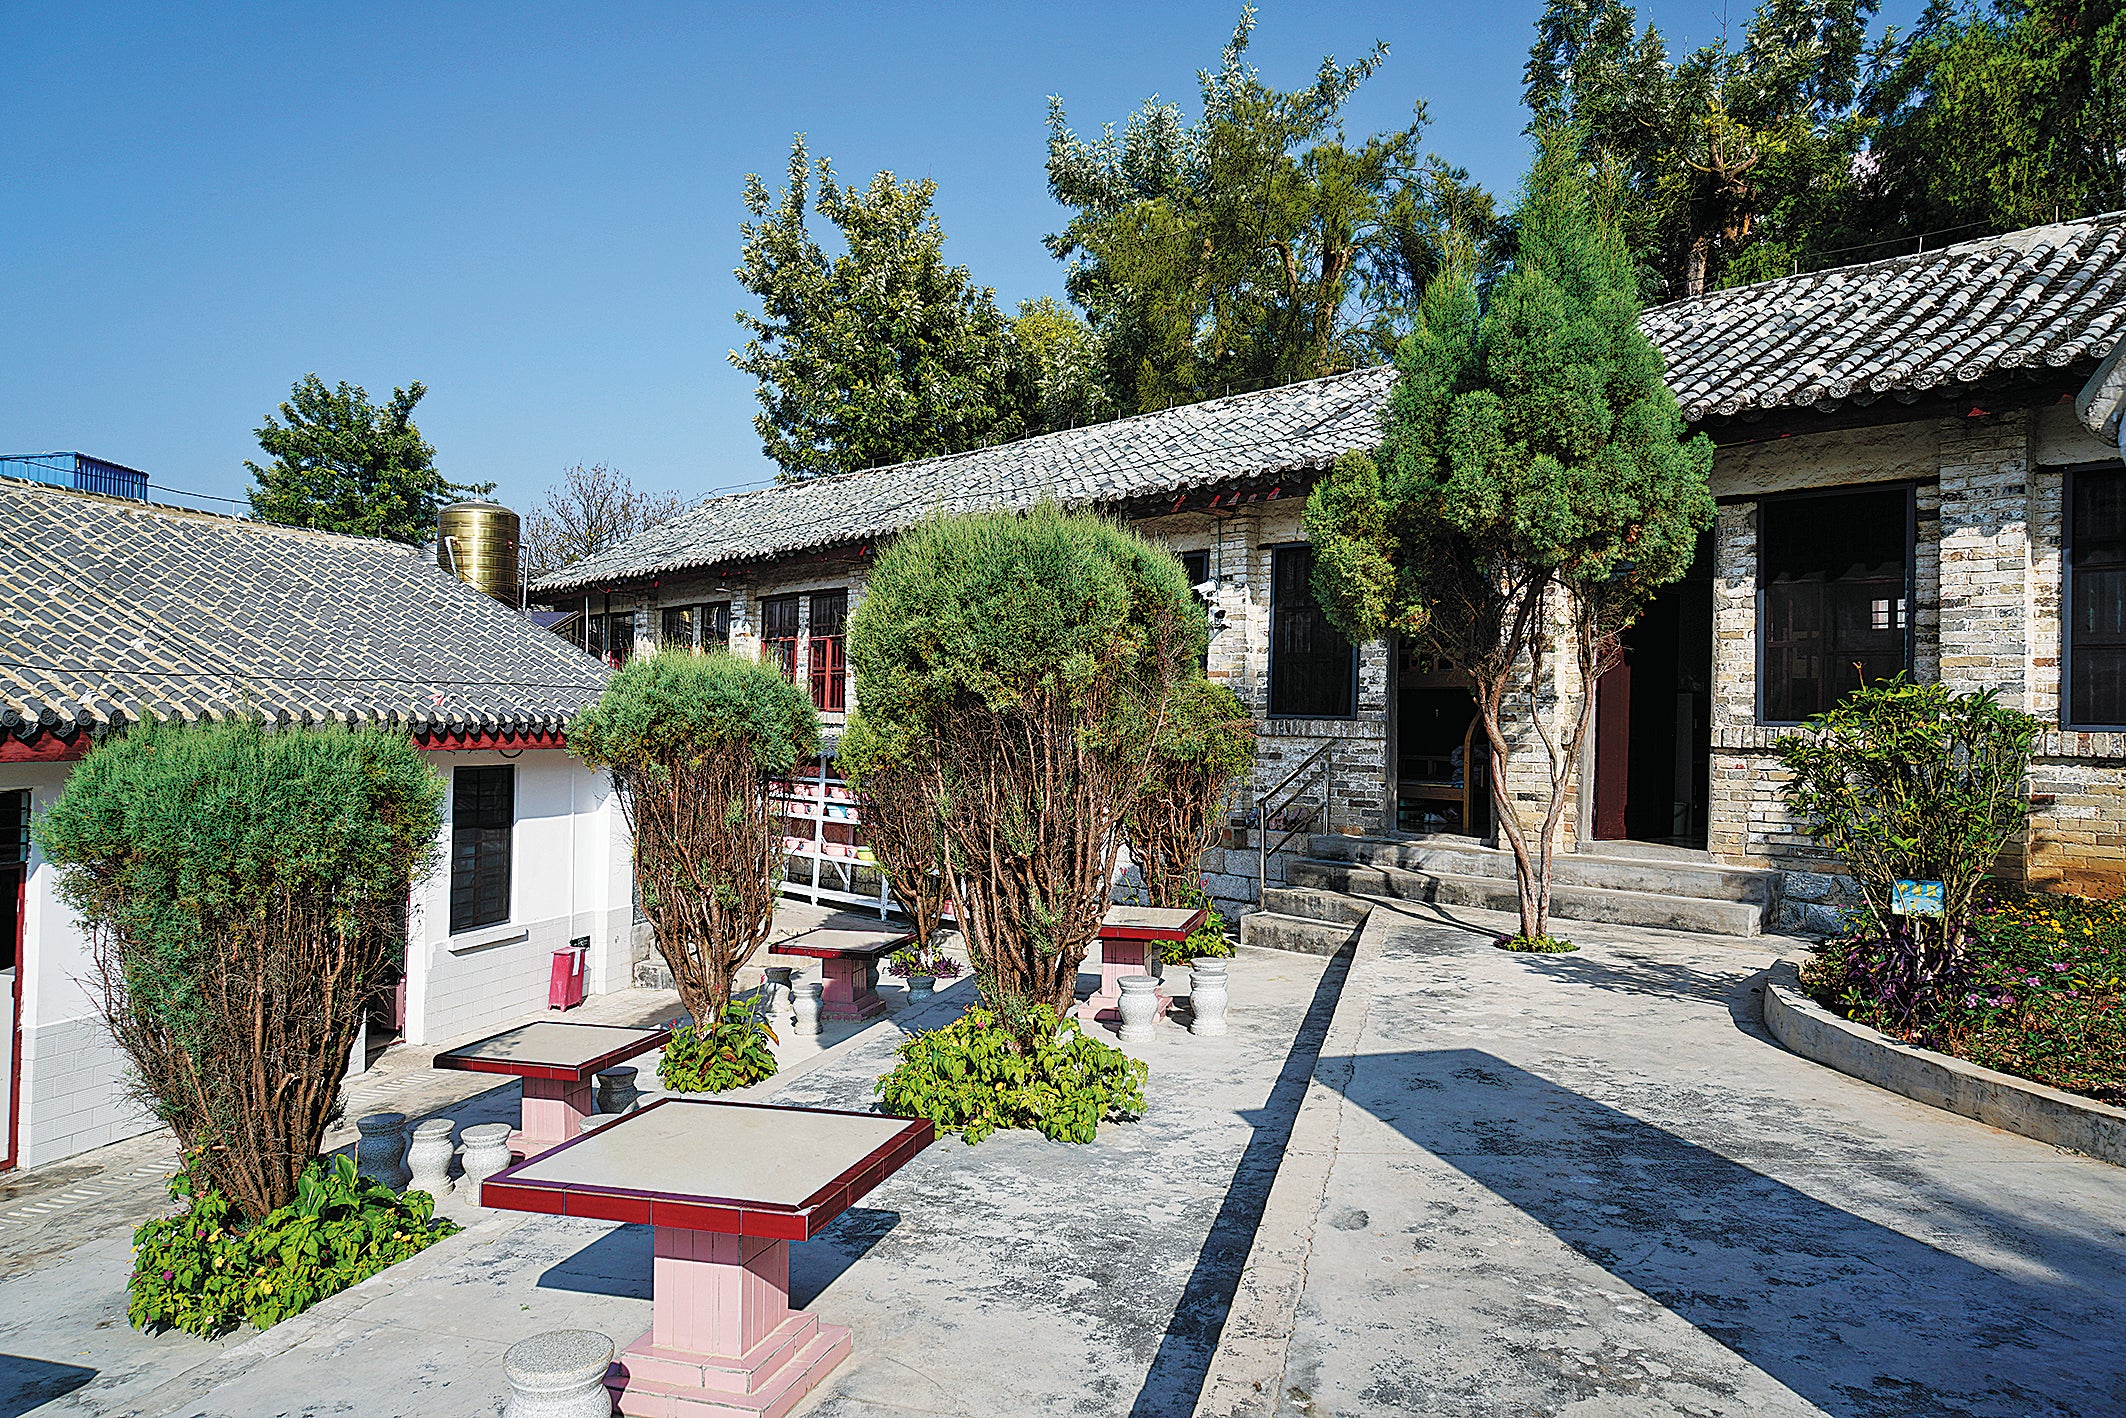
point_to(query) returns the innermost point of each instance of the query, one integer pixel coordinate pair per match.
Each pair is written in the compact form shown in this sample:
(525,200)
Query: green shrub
(693,742)
(1910,782)
(1535,945)
(245,893)
(201,1271)
(1016,663)
(1207,941)
(974,1076)
(731,1055)
(1206,742)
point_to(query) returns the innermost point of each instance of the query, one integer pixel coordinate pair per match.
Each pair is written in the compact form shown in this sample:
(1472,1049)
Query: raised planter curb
(1997,1099)
(1246,1373)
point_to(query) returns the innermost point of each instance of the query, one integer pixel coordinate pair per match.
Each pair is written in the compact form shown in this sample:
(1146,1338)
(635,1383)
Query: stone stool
(429,1157)
(1139,1007)
(1207,995)
(559,1374)
(777,987)
(617,1092)
(381,1154)
(486,1153)
(805,1007)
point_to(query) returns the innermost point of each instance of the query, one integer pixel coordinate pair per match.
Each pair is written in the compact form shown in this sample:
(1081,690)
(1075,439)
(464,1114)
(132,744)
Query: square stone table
(1130,937)
(556,1060)
(727,1186)
(848,961)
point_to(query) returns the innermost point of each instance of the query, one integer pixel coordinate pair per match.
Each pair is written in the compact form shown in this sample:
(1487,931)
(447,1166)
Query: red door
(1612,786)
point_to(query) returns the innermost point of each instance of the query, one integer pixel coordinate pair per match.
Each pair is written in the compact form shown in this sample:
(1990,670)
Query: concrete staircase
(1306,919)
(1617,883)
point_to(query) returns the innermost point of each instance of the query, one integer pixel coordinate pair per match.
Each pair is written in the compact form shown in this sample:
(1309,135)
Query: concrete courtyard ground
(1591,1184)
(1584,1184)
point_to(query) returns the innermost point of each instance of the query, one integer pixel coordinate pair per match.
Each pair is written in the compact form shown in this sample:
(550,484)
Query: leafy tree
(900,826)
(693,742)
(1059,367)
(340,464)
(1208,741)
(1255,246)
(590,509)
(1021,665)
(876,356)
(1738,161)
(1994,119)
(246,895)
(1532,484)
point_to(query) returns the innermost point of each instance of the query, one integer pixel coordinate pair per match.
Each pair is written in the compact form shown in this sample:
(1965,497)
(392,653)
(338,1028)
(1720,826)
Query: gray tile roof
(112,611)
(2049,296)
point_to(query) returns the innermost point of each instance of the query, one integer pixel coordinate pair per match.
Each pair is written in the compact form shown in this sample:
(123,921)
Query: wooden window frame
(1351,687)
(827,656)
(784,649)
(1911,581)
(480,851)
(2067,717)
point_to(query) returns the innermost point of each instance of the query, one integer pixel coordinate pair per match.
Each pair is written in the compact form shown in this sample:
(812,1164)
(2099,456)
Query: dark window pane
(619,638)
(778,632)
(1197,566)
(1313,669)
(14,827)
(2096,595)
(676,626)
(483,811)
(1835,602)
(716,626)
(828,667)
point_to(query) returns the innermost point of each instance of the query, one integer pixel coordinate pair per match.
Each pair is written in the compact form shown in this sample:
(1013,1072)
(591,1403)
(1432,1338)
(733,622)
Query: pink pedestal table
(556,1061)
(727,1187)
(849,961)
(1130,939)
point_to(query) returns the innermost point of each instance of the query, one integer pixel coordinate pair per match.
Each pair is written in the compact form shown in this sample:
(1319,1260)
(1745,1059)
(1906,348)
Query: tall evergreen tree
(880,354)
(341,464)
(1257,245)
(1533,484)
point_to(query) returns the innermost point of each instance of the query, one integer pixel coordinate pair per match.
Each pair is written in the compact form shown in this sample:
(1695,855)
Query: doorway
(1653,720)
(1440,750)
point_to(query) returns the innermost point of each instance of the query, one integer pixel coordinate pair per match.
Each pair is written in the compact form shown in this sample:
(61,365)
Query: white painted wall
(571,875)
(73,1077)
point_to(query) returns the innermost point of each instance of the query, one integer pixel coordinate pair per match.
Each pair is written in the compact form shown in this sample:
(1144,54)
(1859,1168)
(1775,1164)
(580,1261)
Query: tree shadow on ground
(27,1383)
(1191,1338)
(1858,1318)
(618,1262)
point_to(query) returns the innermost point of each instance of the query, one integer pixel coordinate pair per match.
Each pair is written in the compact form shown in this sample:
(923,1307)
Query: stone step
(1567,902)
(1303,935)
(1316,905)
(1654,875)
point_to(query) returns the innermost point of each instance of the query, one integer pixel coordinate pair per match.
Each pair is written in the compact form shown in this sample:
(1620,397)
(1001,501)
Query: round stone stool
(778,989)
(486,1153)
(381,1154)
(1139,1007)
(805,1007)
(429,1158)
(1207,996)
(617,1092)
(559,1374)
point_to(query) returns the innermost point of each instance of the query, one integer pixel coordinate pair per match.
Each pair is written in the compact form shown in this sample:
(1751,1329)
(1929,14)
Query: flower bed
(2042,992)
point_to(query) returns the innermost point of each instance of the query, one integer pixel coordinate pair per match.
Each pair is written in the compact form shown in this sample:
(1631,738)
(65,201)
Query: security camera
(1205,589)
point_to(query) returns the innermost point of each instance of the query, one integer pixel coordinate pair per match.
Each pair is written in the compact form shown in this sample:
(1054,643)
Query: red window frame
(780,623)
(827,651)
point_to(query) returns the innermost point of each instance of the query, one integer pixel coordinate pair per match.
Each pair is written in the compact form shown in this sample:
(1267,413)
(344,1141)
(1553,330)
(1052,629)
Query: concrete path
(1590,1184)
(1018,1276)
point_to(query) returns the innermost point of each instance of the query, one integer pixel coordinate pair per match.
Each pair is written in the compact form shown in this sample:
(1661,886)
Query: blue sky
(534,209)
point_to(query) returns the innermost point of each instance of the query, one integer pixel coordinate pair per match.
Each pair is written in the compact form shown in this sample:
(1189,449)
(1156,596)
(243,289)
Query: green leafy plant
(1207,941)
(1535,945)
(245,894)
(732,1054)
(1206,743)
(202,1272)
(693,742)
(976,1076)
(1912,782)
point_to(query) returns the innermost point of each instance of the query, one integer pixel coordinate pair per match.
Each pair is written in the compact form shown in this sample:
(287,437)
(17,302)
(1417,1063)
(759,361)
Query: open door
(1440,752)
(1653,720)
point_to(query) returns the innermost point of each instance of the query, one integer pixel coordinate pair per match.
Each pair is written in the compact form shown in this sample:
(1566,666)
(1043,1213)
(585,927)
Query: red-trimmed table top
(1149,923)
(553,1048)
(749,1169)
(832,944)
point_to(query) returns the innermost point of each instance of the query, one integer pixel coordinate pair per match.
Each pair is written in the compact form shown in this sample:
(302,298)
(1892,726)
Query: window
(778,632)
(1313,669)
(829,660)
(1197,566)
(483,808)
(716,626)
(678,626)
(2096,598)
(612,637)
(1833,597)
(14,851)
(594,635)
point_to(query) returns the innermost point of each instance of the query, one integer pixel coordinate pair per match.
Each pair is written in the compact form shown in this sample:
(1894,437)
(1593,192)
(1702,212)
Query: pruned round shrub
(204,1272)
(1017,664)
(730,1054)
(693,742)
(974,1077)
(245,893)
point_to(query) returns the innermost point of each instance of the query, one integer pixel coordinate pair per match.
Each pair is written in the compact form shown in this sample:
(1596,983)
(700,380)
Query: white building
(112,611)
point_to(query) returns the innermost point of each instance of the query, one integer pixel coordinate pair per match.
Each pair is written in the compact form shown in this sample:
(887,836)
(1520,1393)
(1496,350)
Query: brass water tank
(477,542)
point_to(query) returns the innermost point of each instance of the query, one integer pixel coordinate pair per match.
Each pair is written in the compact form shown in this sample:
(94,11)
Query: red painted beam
(462,743)
(45,748)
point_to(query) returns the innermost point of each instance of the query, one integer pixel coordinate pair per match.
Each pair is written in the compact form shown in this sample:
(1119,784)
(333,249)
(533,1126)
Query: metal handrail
(1263,804)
